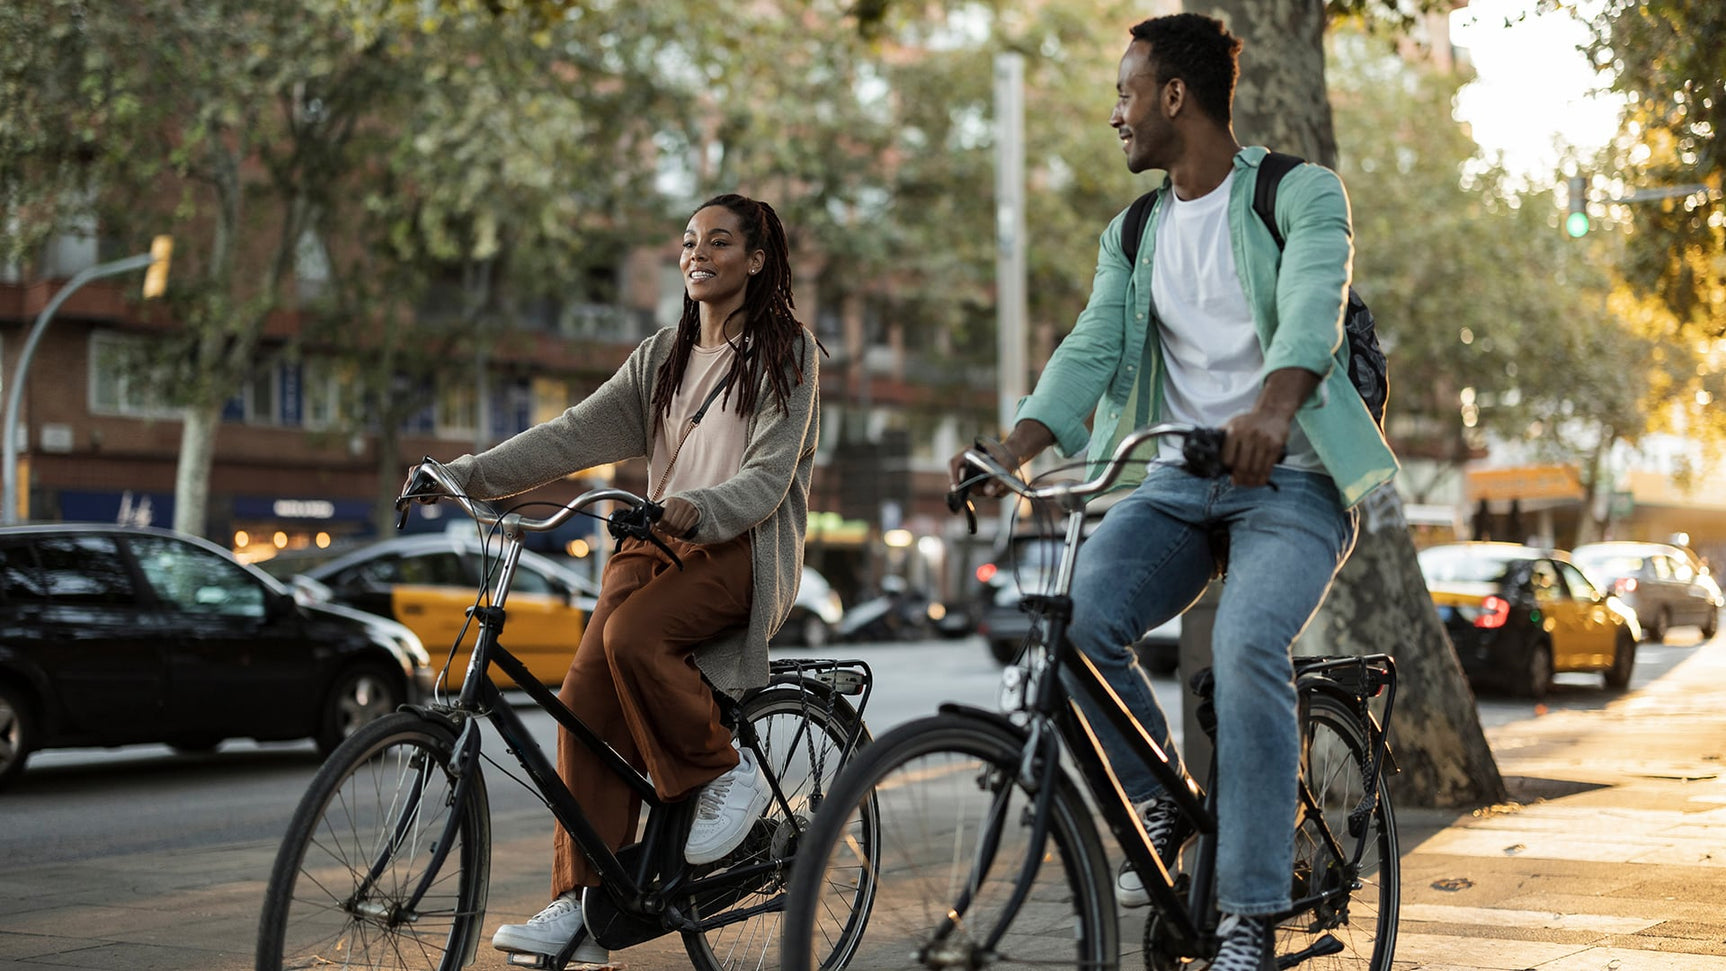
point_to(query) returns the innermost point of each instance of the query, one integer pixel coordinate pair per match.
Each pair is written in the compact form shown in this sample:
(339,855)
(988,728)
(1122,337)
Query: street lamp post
(158,255)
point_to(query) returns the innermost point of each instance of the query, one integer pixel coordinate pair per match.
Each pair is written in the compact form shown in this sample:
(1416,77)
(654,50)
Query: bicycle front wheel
(954,831)
(802,739)
(1341,816)
(382,866)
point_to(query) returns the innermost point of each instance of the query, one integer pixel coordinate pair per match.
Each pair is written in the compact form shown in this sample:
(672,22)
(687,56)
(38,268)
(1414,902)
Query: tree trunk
(1280,100)
(192,474)
(1380,603)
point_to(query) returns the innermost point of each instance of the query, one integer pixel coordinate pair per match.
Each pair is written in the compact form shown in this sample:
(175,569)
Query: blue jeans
(1150,559)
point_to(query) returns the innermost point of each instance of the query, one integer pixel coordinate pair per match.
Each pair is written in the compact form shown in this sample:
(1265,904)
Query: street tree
(1665,57)
(233,125)
(1379,601)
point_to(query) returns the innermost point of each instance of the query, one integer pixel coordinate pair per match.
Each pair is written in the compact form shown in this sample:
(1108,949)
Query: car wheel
(1536,676)
(17,731)
(815,632)
(1711,625)
(1623,662)
(1657,630)
(360,694)
(1004,652)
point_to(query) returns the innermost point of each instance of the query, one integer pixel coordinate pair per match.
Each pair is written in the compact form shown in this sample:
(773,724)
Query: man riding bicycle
(1213,325)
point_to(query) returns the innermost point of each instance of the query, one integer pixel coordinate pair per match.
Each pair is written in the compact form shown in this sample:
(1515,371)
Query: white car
(814,616)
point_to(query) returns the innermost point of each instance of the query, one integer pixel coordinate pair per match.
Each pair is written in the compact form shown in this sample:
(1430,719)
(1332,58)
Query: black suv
(113,635)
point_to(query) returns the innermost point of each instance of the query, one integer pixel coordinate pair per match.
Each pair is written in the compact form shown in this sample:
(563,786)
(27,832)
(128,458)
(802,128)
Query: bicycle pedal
(523,959)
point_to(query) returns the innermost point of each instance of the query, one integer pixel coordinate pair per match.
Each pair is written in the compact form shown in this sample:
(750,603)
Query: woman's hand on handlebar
(680,518)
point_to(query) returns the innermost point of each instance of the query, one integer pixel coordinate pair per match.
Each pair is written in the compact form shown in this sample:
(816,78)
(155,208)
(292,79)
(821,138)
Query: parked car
(428,581)
(814,616)
(1029,564)
(113,635)
(1517,615)
(1664,584)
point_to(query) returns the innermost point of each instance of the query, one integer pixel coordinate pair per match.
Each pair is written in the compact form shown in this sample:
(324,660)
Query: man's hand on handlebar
(959,470)
(1253,442)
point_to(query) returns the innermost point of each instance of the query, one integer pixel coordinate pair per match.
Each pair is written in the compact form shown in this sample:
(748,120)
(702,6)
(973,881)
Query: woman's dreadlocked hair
(771,329)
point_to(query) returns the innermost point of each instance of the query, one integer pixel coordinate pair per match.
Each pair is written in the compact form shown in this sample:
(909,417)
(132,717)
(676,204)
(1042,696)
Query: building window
(457,410)
(123,381)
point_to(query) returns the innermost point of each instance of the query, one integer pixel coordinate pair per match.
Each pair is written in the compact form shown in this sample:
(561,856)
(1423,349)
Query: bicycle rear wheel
(367,834)
(802,740)
(1333,770)
(936,785)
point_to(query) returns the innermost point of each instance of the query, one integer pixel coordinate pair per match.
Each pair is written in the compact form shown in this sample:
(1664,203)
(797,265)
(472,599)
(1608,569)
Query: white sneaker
(728,806)
(548,931)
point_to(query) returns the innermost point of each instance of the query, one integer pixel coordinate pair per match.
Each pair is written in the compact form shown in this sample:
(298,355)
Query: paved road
(99,842)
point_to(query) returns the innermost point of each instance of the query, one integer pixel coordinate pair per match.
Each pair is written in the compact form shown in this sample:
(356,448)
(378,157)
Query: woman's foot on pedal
(550,930)
(1169,830)
(727,808)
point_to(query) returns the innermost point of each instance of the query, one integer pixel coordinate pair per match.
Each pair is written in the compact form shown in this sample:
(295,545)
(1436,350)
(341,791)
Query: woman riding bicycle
(724,407)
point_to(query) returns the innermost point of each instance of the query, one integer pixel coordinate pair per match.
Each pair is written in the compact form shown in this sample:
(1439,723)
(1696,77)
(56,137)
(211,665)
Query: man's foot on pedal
(1169,830)
(1244,944)
(727,808)
(549,931)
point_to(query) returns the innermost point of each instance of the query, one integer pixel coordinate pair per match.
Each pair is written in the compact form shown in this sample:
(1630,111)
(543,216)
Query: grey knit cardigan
(768,498)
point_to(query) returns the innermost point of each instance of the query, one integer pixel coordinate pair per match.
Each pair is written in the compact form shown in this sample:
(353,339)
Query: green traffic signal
(1576,224)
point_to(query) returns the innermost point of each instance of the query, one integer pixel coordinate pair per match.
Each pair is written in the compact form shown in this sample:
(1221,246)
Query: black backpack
(1366,364)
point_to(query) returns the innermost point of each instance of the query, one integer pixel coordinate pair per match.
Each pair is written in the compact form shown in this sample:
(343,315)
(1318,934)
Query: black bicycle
(987,854)
(386,862)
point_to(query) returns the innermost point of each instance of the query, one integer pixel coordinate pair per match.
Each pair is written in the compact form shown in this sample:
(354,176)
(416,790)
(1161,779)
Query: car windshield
(1442,564)
(1611,564)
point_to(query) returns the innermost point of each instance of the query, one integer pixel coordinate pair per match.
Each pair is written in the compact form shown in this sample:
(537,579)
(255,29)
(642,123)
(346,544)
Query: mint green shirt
(1110,368)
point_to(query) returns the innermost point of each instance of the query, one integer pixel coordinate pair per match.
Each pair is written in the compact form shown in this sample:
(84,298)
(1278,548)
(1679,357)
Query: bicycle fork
(1038,765)
(395,913)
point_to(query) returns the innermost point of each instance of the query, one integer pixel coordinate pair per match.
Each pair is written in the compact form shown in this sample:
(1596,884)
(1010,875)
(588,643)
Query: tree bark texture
(1280,101)
(1380,603)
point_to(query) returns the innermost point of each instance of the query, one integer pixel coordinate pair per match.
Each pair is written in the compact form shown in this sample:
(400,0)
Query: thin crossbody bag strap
(688,430)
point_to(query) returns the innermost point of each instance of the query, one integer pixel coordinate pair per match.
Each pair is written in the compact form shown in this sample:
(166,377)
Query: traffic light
(156,277)
(1576,224)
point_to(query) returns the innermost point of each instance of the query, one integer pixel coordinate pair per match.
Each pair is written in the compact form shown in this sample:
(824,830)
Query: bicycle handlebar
(1202,450)
(430,482)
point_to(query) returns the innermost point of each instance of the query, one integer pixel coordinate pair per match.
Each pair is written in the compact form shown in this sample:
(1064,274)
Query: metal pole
(1010,231)
(9,496)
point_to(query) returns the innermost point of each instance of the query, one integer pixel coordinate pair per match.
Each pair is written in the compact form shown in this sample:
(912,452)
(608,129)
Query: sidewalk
(1613,857)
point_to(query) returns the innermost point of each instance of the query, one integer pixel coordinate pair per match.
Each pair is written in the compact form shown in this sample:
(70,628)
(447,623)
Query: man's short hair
(1201,52)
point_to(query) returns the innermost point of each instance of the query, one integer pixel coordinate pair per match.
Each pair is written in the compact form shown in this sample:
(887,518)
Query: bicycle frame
(1053,707)
(648,911)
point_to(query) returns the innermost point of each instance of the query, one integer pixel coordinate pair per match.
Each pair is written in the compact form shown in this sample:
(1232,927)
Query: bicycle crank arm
(1322,947)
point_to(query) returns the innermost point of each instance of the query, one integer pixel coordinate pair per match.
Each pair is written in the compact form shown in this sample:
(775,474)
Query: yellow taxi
(1517,615)
(427,582)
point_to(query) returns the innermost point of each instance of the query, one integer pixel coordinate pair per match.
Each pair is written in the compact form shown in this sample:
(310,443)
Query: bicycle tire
(1335,755)
(803,733)
(953,766)
(393,775)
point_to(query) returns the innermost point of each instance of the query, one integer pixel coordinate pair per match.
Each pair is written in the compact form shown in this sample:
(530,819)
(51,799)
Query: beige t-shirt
(711,452)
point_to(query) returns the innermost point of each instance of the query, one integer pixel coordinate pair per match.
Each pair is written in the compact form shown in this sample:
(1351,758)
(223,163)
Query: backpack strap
(1133,226)
(1271,172)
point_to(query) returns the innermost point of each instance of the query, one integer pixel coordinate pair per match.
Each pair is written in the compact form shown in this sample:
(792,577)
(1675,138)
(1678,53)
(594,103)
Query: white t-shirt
(1213,364)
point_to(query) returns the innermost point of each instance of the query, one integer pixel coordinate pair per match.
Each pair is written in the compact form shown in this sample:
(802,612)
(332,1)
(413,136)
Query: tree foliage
(1668,59)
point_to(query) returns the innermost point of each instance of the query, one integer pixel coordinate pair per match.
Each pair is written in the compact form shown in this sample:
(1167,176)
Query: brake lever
(638,523)
(421,487)
(959,498)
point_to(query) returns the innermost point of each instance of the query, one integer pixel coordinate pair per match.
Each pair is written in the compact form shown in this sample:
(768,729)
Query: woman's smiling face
(717,262)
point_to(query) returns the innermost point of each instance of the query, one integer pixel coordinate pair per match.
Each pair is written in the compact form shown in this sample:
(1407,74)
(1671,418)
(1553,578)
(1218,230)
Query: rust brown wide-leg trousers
(635,683)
